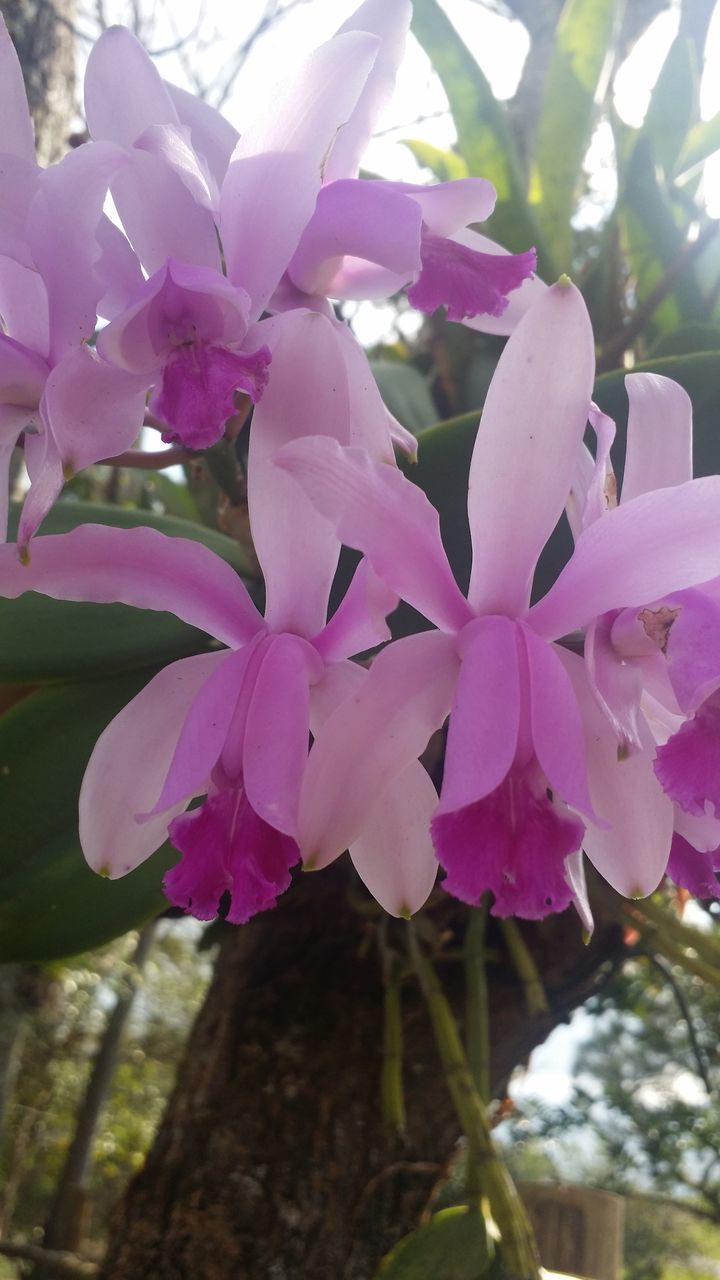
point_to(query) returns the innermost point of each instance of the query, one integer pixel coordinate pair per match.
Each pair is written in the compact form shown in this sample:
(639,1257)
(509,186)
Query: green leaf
(68,515)
(674,104)
(453,1245)
(405,393)
(51,903)
(485,140)
(579,60)
(654,241)
(702,141)
(46,640)
(687,340)
(444,165)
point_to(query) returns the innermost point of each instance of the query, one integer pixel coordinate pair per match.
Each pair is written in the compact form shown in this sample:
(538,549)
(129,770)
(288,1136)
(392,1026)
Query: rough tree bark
(272,1161)
(42,33)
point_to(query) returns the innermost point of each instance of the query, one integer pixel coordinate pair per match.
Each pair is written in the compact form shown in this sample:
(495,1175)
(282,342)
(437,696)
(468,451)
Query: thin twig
(152,460)
(699,1056)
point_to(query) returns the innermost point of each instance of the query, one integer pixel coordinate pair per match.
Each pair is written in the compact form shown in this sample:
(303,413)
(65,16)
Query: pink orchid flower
(531,760)
(233,725)
(659,663)
(55,247)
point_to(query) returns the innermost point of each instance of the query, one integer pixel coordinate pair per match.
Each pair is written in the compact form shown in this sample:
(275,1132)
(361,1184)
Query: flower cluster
(214,285)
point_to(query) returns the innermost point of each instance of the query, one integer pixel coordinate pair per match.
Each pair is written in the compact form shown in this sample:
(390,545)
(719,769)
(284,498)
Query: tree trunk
(272,1161)
(42,33)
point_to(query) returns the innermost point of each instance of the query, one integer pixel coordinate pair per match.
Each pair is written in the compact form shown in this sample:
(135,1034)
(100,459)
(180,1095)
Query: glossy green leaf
(686,341)
(654,241)
(444,165)
(578,63)
(405,392)
(453,1245)
(51,903)
(68,515)
(47,640)
(702,141)
(674,104)
(485,140)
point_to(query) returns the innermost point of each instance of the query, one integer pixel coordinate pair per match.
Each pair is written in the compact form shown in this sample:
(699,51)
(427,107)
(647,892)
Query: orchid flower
(233,725)
(659,663)
(56,245)
(187,326)
(530,758)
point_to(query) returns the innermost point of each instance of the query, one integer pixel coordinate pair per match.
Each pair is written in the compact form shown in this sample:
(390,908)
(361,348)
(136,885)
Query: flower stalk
(487,1175)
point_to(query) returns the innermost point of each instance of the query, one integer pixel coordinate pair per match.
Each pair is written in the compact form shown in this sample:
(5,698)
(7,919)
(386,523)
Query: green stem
(525,968)
(393,1095)
(519,1250)
(477,1014)
(657,940)
(703,944)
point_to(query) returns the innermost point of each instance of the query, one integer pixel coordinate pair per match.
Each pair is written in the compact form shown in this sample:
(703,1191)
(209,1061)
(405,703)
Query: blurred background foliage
(633,229)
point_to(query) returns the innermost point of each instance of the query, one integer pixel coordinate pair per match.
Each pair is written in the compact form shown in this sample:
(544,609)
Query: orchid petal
(465,282)
(692,646)
(203,732)
(370,422)
(19,183)
(394,855)
(485,719)
(575,876)
(617,685)
(390,22)
(371,738)
(556,725)
(118,269)
(277,731)
(62,222)
(659,543)
(693,870)
(296,547)
(282,153)
(170,145)
(227,847)
(701,831)
(211,135)
(377,511)
(512,843)
(124,93)
(45,470)
(659,435)
(519,301)
(339,681)
(128,765)
(18,137)
(24,306)
(23,374)
(529,434)
(160,216)
(688,764)
(92,409)
(365,220)
(139,567)
(631,850)
(12,421)
(601,492)
(358,623)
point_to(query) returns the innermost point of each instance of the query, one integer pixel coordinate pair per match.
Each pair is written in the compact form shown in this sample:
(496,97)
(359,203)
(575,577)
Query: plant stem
(477,1017)
(486,1172)
(525,968)
(393,1096)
